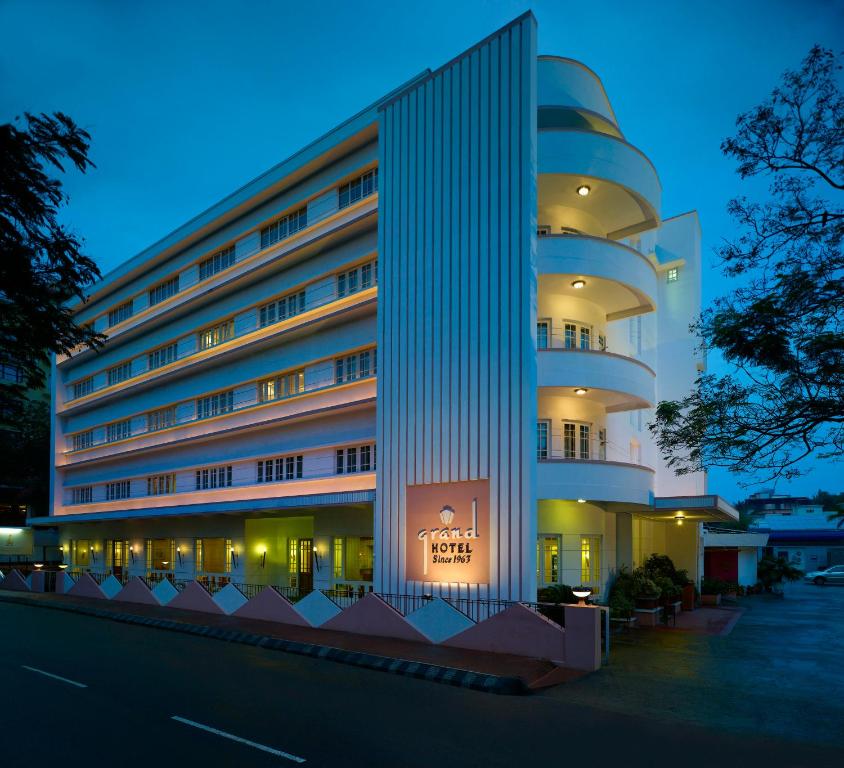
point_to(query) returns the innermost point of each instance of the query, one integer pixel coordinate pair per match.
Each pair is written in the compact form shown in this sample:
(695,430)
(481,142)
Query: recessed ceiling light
(580,391)
(577,284)
(583,190)
(581,501)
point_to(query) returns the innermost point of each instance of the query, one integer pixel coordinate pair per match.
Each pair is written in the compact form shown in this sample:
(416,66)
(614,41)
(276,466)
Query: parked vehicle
(834,574)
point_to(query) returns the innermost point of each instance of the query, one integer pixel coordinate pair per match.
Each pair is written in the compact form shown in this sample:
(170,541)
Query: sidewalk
(490,672)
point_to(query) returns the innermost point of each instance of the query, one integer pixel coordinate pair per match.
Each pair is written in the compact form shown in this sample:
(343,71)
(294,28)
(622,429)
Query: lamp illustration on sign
(445,544)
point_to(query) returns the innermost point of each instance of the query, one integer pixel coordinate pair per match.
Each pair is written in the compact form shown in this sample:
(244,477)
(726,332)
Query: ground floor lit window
(338,569)
(213,555)
(160,554)
(548,559)
(590,560)
(359,558)
(80,552)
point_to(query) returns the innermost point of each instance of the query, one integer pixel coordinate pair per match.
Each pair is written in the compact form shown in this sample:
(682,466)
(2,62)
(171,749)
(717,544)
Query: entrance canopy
(698,509)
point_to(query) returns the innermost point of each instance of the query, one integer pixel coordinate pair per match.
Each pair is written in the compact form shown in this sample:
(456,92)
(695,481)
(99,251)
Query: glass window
(120,430)
(214,405)
(359,558)
(119,373)
(83,440)
(542,440)
(590,563)
(357,189)
(162,356)
(672,275)
(216,263)
(542,334)
(585,337)
(570,335)
(164,291)
(81,552)
(569,447)
(337,565)
(119,314)
(584,441)
(83,387)
(218,334)
(285,227)
(550,559)
(161,419)
(161,554)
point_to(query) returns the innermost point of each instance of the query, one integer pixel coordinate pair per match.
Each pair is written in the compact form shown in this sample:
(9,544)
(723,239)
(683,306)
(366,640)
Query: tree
(781,328)
(25,457)
(41,266)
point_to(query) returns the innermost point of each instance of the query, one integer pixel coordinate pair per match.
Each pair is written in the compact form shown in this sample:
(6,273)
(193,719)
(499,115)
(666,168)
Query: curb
(460,678)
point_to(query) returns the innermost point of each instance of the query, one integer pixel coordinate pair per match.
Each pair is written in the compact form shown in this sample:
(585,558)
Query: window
(84,495)
(217,334)
(353,367)
(280,468)
(80,551)
(160,485)
(337,565)
(161,554)
(213,555)
(569,447)
(216,263)
(346,459)
(83,440)
(354,280)
(119,430)
(548,559)
(584,441)
(286,307)
(542,334)
(577,335)
(119,373)
(213,477)
(83,387)
(283,386)
(590,560)
(358,188)
(585,337)
(118,490)
(13,373)
(672,275)
(119,314)
(284,227)
(214,405)
(542,440)
(164,290)
(161,356)
(161,419)
(570,335)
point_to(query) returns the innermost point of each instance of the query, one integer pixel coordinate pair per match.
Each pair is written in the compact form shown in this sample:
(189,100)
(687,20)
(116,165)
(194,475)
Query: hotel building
(442,327)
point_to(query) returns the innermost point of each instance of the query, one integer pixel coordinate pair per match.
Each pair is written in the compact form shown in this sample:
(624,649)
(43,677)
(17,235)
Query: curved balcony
(624,189)
(618,278)
(596,481)
(617,382)
(571,85)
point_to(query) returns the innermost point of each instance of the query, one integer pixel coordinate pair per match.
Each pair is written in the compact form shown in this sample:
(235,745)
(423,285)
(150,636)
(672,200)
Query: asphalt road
(243,706)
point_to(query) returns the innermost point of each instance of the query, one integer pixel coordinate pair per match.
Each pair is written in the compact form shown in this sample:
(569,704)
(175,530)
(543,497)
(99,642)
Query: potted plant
(645,590)
(711,591)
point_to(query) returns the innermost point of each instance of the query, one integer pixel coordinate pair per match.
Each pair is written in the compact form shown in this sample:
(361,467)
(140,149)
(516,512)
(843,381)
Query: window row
(357,366)
(214,477)
(284,227)
(164,291)
(119,373)
(281,309)
(120,313)
(356,459)
(216,263)
(577,442)
(357,189)
(281,468)
(575,336)
(548,560)
(357,279)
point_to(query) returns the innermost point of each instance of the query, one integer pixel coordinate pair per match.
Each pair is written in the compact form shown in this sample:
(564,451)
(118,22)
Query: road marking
(238,739)
(55,677)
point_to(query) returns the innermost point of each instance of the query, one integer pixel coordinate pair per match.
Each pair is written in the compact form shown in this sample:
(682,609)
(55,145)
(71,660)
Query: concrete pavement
(138,679)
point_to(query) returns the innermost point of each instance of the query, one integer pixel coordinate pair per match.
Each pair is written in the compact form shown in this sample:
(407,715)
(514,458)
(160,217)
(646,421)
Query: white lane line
(55,677)
(238,739)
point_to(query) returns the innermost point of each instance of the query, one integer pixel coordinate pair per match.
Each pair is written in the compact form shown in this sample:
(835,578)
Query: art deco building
(419,354)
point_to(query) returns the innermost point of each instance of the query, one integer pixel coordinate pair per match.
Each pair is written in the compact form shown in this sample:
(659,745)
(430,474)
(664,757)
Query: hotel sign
(447,532)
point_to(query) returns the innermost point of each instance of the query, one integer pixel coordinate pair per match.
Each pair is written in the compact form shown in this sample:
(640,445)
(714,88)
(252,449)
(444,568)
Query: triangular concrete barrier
(439,620)
(270,605)
(64,581)
(371,615)
(136,591)
(86,587)
(164,591)
(229,599)
(111,587)
(315,608)
(517,630)
(194,597)
(14,581)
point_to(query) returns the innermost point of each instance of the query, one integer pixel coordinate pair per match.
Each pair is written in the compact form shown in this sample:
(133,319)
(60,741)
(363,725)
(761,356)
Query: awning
(697,509)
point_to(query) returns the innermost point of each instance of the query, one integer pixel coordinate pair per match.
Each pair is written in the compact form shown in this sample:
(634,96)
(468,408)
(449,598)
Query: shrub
(776,570)
(714,587)
(621,607)
(557,593)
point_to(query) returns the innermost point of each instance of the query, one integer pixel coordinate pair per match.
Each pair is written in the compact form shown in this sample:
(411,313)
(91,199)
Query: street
(151,696)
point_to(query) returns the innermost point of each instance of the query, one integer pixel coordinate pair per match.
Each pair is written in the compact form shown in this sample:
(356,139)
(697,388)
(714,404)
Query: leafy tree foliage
(25,457)
(782,326)
(41,267)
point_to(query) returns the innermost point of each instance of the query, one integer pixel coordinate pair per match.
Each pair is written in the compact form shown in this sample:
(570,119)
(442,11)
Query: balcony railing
(594,448)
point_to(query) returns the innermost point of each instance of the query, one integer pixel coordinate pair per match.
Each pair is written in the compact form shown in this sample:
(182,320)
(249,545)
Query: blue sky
(186,101)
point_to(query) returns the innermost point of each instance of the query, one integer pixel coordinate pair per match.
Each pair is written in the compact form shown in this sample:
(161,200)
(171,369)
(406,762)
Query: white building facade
(419,355)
